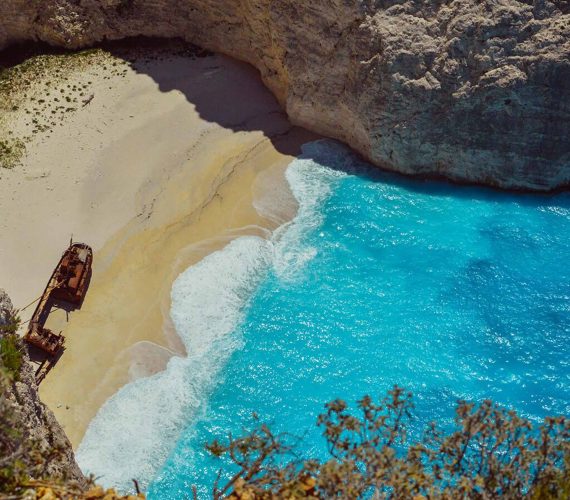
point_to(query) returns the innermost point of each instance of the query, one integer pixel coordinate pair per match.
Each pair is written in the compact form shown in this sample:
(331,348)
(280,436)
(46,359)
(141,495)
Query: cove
(450,292)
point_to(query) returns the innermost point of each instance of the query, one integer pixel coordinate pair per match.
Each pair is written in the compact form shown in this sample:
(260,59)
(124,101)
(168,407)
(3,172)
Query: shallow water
(451,292)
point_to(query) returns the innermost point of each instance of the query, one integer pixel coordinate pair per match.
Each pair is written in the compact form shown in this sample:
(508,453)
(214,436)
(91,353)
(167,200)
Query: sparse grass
(35,87)
(11,152)
(31,92)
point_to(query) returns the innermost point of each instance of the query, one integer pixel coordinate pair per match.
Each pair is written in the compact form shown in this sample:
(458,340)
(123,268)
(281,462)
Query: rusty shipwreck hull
(72,274)
(68,283)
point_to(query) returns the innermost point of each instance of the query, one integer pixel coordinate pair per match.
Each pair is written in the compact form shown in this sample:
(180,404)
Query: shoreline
(163,167)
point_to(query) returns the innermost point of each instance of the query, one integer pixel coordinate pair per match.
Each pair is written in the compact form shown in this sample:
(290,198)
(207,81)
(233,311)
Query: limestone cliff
(475,91)
(35,421)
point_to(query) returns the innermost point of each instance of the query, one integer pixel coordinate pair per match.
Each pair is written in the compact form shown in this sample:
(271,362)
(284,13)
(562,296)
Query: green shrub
(12,467)
(11,347)
(11,152)
(11,354)
(24,462)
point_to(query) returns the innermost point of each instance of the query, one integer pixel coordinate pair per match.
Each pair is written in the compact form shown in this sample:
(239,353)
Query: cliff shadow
(222,90)
(231,93)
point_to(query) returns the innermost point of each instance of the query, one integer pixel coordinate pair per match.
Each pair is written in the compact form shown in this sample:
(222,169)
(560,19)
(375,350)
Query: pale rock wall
(475,91)
(38,423)
(6,308)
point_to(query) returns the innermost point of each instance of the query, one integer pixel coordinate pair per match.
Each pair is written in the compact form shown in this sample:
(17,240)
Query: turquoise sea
(452,292)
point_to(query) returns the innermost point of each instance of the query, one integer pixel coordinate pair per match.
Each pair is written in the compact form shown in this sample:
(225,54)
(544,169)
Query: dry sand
(160,168)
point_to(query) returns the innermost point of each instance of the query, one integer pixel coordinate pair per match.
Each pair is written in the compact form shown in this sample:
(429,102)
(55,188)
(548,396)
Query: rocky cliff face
(475,91)
(35,421)
(5,308)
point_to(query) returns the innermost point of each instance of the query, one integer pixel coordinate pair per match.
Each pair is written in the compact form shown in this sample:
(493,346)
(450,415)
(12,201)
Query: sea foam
(136,428)
(134,431)
(452,293)
(311,183)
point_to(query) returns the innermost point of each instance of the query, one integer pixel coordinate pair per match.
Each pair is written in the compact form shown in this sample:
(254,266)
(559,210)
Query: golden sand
(162,167)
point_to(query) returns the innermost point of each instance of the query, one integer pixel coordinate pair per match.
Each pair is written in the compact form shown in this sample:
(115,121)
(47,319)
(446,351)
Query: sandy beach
(160,163)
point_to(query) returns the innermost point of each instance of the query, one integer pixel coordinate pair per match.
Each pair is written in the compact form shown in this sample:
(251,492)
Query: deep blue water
(451,292)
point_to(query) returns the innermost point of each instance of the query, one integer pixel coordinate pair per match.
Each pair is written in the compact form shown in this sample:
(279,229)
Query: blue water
(451,292)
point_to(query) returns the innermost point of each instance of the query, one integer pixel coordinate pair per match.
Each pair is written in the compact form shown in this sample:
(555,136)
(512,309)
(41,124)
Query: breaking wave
(136,429)
(453,293)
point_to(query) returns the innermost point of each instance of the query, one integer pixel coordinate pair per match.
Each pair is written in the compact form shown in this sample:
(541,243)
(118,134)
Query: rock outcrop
(6,308)
(34,420)
(475,91)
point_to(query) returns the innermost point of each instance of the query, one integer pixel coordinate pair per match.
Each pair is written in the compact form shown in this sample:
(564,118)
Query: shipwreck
(66,288)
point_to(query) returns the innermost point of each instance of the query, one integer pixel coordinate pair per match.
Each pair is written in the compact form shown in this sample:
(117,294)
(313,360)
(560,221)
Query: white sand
(160,168)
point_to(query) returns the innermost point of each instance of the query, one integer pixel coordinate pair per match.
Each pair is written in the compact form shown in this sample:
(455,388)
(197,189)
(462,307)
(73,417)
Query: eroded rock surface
(35,421)
(475,91)
(5,308)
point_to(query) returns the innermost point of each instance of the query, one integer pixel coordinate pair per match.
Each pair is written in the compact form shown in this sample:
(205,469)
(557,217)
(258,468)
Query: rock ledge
(471,91)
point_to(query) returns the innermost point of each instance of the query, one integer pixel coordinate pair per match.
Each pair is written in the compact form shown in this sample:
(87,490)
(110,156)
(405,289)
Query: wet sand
(168,162)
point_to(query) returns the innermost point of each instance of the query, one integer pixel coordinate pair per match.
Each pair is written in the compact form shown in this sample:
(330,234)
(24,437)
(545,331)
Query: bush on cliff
(26,465)
(10,347)
(491,453)
(20,457)
(23,461)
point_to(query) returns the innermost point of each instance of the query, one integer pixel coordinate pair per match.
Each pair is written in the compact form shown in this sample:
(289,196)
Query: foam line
(135,430)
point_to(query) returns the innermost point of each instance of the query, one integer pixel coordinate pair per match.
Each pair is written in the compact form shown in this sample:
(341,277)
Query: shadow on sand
(235,81)
(218,87)
(230,82)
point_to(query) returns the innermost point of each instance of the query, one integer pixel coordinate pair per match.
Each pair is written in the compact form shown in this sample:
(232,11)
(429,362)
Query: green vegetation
(33,94)
(10,442)
(24,462)
(15,469)
(10,348)
(491,453)
(21,458)
(11,354)
(11,152)
(38,92)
